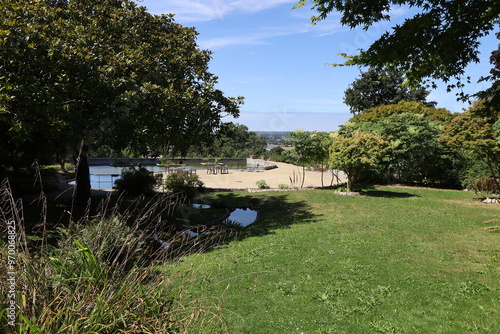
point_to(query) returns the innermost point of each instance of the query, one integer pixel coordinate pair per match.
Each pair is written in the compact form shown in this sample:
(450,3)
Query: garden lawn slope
(397,260)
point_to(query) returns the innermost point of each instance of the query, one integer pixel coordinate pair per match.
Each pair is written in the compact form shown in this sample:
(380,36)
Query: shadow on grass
(387,194)
(45,214)
(276,211)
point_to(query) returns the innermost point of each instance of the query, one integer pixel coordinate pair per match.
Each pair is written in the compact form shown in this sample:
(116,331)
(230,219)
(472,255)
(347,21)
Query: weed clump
(262,184)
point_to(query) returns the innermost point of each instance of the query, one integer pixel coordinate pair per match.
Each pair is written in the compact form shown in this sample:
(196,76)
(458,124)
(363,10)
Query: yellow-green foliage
(474,134)
(383,112)
(471,133)
(356,154)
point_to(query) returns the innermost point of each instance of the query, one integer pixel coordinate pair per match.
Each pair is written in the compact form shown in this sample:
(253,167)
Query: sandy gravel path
(235,179)
(244,179)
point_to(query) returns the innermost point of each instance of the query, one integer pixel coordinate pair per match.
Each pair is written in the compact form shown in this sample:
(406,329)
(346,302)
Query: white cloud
(207,10)
(191,11)
(399,11)
(250,37)
(252,6)
(329,28)
(262,35)
(219,42)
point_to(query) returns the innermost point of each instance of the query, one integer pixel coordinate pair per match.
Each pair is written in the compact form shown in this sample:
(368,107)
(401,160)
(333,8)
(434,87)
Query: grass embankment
(398,260)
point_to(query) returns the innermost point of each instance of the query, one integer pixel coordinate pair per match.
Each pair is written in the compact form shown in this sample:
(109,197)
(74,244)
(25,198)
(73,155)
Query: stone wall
(121,161)
(152,162)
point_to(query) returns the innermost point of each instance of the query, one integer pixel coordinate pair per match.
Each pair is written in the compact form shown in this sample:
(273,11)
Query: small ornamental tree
(415,151)
(310,147)
(357,155)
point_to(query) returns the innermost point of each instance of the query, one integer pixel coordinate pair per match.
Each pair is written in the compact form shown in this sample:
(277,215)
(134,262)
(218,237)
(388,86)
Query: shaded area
(388,194)
(169,218)
(276,211)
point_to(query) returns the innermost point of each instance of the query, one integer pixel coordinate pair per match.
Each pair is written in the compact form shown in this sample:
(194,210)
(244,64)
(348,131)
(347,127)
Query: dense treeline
(409,143)
(275,137)
(232,141)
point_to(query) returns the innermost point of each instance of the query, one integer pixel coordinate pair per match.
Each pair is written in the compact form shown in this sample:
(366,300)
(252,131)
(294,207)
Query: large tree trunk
(82,176)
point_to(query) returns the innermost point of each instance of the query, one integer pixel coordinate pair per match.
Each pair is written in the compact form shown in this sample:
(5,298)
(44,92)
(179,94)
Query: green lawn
(397,260)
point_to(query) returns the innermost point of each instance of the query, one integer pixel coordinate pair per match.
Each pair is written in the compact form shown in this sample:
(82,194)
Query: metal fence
(103,181)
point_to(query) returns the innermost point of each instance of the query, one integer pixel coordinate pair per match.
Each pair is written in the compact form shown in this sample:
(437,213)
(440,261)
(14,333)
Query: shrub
(186,183)
(283,186)
(137,182)
(485,184)
(261,184)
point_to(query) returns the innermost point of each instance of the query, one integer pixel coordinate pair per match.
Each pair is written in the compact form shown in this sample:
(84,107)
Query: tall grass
(102,276)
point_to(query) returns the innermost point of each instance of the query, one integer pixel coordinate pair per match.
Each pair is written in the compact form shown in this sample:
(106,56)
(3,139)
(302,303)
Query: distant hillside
(275,137)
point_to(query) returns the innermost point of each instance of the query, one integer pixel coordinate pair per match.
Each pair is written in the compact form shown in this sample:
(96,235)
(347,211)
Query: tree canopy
(356,154)
(385,111)
(415,154)
(477,136)
(377,88)
(105,71)
(437,43)
(232,140)
(310,147)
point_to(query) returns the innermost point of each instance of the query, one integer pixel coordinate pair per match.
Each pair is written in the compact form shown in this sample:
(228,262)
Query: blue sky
(272,55)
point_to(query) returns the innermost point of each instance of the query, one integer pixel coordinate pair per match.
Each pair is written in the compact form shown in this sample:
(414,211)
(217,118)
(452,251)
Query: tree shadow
(275,211)
(388,194)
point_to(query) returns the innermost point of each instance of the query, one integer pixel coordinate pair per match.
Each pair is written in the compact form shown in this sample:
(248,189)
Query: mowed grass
(397,260)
